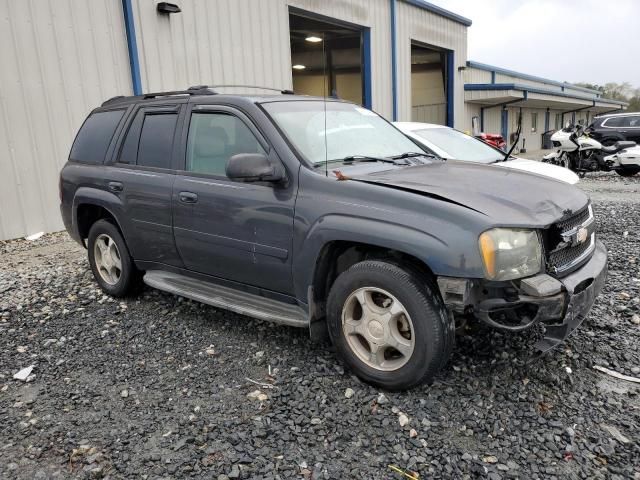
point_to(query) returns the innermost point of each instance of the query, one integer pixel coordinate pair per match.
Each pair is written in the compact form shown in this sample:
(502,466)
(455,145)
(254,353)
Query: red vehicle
(493,139)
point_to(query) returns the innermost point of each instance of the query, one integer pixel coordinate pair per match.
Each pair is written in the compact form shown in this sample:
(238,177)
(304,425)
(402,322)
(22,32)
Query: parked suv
(320,214)
(609,129)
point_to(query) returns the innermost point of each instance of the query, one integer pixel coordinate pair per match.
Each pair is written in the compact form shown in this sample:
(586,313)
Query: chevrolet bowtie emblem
(581,235)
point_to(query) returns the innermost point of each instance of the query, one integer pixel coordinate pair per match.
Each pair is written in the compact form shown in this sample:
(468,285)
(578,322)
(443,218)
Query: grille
(572,222)
(566,256)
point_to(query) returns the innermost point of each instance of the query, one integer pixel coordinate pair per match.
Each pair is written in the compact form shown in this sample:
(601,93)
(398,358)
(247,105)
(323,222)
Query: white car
(452,144)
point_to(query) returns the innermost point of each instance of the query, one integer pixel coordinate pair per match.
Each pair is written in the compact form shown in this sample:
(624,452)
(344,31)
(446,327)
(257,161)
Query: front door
(236,231)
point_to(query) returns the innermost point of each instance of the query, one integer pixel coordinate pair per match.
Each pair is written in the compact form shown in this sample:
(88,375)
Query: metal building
(406,59)
(496,96)
(61,58)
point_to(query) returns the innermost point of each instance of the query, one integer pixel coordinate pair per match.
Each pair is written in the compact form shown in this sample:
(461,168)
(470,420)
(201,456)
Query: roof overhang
(493,94)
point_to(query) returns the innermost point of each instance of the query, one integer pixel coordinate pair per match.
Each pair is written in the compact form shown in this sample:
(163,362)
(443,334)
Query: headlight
(510,253)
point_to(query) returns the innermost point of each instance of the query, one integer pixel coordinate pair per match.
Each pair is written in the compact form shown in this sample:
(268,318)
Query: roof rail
(284,91)
(197,90)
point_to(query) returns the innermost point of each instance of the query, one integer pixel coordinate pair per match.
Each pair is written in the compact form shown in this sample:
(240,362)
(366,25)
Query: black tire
(432,329)
(627,171)
(129,279)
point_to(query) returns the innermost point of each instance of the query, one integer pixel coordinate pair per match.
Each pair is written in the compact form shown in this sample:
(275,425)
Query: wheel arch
(90,205)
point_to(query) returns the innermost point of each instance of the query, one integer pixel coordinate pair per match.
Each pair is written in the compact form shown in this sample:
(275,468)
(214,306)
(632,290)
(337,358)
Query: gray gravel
(161,387)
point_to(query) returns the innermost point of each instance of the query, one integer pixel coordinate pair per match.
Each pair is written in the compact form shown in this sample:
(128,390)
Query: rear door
(236,231)
(632,128)
(142,175)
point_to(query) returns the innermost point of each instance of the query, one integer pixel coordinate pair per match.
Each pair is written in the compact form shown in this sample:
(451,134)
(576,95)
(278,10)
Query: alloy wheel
(107,258)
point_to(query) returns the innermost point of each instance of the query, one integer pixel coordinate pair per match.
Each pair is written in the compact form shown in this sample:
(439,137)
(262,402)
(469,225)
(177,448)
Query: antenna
(324,103)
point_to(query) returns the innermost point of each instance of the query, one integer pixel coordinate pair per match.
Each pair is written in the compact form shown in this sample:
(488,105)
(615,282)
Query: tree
(617,91)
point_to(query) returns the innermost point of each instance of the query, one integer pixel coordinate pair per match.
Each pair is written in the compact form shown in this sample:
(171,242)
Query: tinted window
(156,140)
(633,122)
(614,122)
(214,138)
(95,135)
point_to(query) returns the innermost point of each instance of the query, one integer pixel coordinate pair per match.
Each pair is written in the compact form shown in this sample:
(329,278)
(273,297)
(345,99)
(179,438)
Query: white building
(406,59)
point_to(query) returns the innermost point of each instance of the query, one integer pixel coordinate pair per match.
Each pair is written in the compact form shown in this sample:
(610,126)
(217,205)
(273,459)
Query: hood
(546,169)
(508,196)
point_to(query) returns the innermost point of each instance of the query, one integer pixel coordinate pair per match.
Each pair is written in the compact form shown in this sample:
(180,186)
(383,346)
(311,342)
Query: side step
(228,298)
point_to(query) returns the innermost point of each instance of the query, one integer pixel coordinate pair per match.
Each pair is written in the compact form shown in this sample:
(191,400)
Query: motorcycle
(581,153)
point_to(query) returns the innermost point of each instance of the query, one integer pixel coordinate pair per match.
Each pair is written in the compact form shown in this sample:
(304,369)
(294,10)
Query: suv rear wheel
(110,261)
(389,325)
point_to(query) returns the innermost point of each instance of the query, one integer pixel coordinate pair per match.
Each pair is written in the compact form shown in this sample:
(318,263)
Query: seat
(210,151)
(616,147)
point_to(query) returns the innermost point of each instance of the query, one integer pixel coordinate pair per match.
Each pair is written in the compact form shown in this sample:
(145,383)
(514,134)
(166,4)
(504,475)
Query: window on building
(216,137)
(94,136)
(534,122)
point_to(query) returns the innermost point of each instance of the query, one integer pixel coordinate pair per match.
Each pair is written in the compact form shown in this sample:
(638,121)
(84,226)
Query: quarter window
(94,136)
(614,122)
(216,137)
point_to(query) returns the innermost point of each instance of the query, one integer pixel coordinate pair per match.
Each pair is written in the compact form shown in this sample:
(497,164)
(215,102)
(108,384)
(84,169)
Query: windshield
(351,130)
(460,146)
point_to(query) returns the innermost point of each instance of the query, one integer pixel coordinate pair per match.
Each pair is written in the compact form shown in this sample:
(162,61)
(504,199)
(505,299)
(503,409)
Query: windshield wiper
(367,158)
(417,154)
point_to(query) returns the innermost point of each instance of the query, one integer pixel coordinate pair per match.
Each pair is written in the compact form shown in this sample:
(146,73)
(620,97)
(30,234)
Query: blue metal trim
(481,119)
(546,120)
(493,77)
(394,60)
(450,87)
(132,46)
(366,67)
(504,124)
(430,7)
(526,76)
(527,88)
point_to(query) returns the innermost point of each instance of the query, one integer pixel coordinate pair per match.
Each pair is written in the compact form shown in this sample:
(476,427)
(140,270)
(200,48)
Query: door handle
(188,197)
(115,186)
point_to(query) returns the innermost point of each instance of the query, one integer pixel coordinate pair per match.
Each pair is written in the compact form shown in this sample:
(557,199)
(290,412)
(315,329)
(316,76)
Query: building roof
(526,76)
(440,11)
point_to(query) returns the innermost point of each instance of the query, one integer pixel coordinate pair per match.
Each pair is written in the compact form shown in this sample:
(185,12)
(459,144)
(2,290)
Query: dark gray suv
(320,214)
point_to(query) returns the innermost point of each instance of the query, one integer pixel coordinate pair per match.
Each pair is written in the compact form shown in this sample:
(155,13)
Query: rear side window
(156,140)
(614,122)
(93,139)
(149,141)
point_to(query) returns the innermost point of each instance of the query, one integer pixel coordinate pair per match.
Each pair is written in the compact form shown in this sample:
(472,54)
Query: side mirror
(252,167)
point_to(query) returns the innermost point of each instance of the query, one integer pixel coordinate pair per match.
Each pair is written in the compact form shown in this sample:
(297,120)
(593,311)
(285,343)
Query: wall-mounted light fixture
(462,68)
(298,67)
(168,8)
(313,39)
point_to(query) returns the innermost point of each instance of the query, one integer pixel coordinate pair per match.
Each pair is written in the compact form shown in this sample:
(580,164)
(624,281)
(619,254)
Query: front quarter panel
(442,235)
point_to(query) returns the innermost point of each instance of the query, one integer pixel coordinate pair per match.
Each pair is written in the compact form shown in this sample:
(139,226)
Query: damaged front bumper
(560,305)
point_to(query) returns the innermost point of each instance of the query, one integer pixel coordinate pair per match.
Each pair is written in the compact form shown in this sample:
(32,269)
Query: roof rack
(193,90)
(283,91)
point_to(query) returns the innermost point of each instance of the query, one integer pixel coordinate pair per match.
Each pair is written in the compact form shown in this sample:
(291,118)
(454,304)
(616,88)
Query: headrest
(212,142)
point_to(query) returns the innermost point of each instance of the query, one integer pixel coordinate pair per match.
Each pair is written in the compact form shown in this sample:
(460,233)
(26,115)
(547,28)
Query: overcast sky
(591,41)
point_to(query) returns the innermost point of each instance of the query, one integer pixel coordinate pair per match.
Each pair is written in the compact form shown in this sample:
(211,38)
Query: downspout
(132,46)
(394,72)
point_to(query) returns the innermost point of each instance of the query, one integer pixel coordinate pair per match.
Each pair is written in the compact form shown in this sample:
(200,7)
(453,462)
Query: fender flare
(101,198)
(430,249)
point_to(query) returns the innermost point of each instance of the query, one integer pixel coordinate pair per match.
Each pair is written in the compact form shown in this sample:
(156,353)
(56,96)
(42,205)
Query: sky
(591,41)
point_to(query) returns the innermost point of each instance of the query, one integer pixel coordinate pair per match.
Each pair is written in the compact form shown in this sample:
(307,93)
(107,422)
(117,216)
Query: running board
(227,298)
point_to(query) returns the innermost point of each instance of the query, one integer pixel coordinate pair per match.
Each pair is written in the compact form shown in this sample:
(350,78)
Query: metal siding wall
(431,29)
(475,75)
(60,59)
(247,42)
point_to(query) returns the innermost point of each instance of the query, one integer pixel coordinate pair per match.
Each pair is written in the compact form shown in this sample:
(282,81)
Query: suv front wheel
(110,261)
(389,324)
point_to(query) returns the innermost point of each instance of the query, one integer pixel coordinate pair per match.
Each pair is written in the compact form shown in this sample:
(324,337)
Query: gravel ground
(161,387)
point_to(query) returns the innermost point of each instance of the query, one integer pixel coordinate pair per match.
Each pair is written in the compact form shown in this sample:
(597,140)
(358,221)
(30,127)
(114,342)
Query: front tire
(110,261)
(389,324)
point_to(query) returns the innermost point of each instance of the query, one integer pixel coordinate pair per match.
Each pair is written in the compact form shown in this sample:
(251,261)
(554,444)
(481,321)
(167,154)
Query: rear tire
(110,260)
(389,324)
(627,171)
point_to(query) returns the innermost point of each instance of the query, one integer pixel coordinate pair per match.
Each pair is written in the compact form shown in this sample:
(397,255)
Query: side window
(634,122)
(149,141)
(614,122)
(94,136)
(216,137)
